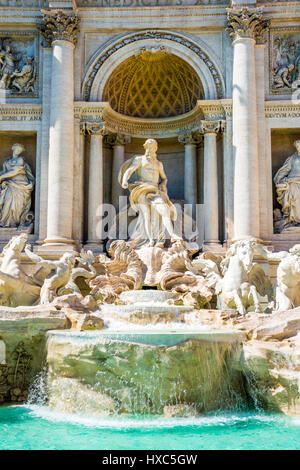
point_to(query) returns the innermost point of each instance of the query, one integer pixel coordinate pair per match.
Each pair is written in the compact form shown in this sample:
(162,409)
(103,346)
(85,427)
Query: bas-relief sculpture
(287,182)
(16,186)
(17,72)
(286,64)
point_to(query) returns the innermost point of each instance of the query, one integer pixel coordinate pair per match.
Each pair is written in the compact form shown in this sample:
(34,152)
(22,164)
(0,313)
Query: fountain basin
(136,372)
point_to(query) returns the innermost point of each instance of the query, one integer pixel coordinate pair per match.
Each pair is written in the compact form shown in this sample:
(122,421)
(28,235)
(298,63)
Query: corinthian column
(61,29)
(244,26)
(119,142)
(210,130)
(190,142)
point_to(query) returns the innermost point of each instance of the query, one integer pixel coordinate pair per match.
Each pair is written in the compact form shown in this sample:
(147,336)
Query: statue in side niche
(16,186)
(149,197)
(287,181)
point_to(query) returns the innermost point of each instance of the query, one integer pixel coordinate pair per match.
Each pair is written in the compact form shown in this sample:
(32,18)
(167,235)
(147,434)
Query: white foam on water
(145,422)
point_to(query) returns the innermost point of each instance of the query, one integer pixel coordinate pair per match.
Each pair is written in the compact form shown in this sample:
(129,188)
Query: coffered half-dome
(153,84)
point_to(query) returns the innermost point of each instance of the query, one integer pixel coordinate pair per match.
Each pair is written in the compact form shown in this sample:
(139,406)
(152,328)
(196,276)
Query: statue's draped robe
(15,195)
(148,195)
(288,192)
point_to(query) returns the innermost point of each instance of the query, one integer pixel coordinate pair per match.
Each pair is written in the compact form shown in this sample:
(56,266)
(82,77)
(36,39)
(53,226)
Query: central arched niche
(153,83)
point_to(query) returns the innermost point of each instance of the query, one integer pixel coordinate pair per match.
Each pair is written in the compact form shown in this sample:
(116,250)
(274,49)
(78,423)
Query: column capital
(212,127)
(59,26)
(191,138)
(120,139)
(247,23)
(93,128)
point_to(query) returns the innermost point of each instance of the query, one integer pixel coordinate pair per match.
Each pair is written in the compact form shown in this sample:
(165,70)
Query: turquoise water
(36,427)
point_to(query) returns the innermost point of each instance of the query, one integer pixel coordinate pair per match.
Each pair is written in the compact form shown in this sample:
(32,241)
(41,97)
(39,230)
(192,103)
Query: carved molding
(246,23)
(156,35)
(59,26)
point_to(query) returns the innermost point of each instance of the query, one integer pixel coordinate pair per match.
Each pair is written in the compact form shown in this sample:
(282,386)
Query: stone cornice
(59,26)
(116,123)
(246,23)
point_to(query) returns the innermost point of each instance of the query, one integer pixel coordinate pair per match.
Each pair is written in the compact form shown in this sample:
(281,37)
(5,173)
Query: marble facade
(214,82)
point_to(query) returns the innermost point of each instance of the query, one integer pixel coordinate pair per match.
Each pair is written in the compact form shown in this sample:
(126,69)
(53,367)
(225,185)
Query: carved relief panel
(19,64)
(284,61)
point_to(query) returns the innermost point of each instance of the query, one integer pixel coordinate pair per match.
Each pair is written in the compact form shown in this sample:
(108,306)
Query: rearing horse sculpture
(239,280)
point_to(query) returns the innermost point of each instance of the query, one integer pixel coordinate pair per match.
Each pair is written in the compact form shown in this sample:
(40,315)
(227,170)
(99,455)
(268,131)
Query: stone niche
(28,140)
(282,144)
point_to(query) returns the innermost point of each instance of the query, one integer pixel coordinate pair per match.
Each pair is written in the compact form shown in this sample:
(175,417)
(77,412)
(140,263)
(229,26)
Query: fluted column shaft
(244,26)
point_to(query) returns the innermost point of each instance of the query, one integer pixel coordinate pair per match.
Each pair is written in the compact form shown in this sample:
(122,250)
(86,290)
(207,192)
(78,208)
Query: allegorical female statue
(16,185)
(287,181)
(148,197)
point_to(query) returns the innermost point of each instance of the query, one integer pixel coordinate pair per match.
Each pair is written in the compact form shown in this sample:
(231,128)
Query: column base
(56,246)
(214,246)
(96,246)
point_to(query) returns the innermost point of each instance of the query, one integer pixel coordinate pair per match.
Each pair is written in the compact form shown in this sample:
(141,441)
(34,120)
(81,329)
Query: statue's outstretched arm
(38,260)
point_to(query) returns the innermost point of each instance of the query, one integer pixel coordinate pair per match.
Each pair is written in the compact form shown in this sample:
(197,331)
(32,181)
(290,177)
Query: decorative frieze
(246,23)
(283,110)
(21,113)
(59,26)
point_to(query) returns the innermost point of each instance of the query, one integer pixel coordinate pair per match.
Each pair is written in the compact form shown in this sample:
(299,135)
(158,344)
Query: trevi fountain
(149,224)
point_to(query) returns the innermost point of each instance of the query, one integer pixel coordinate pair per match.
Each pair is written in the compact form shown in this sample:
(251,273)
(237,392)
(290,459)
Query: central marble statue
(149,197)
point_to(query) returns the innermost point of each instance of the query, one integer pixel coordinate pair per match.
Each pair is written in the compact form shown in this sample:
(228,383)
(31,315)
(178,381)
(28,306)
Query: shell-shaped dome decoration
(153,84)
